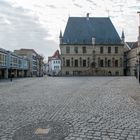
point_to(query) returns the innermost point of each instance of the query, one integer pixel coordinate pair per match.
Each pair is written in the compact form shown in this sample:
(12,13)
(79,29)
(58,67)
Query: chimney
(87,16)
(93,40)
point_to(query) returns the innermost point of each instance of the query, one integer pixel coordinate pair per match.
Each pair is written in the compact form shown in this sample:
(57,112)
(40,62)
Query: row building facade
(131,59)
(54,64)
(35,61)
(12,64)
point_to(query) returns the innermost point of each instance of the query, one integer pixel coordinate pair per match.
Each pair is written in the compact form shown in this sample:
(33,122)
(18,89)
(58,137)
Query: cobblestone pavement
(94,108)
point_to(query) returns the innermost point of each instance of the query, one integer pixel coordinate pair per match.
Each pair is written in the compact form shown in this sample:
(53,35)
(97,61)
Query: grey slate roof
(132,44)
(80,30)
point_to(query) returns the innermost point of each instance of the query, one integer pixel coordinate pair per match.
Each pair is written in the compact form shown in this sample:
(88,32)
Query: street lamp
(138,50)
(139,29)
(139,67)
(11,72)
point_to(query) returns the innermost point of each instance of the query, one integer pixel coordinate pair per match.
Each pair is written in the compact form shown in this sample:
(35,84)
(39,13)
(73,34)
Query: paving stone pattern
(93,108)
(42,131)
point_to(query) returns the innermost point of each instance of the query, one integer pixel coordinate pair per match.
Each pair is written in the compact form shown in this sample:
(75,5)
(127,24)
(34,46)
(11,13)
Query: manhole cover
(42,131)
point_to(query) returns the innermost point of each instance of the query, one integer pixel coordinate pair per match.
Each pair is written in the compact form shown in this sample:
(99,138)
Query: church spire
(123,37)
(123,34)
(60,36)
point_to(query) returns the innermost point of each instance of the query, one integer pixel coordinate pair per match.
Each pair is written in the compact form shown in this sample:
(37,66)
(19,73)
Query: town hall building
(91,46)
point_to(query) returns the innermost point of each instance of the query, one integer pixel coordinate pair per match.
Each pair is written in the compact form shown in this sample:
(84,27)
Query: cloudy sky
(36,23)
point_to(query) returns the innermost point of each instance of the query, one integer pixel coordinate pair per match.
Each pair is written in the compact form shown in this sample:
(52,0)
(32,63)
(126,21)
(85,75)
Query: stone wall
(89,63)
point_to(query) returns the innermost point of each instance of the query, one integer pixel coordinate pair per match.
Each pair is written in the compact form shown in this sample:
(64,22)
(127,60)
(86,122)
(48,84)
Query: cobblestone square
(90,108)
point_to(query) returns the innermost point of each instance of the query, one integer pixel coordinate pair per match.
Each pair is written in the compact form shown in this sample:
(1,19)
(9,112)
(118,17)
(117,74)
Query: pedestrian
(11,76)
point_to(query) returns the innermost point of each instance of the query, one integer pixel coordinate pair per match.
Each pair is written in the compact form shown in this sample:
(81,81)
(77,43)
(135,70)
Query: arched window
(116,49)
(113,62)
(76,62)
(101,50)
(109,63)
(116,63)
(67,62)
(101,63)
(109,49)
(84,63)
(105,62)
(88,61)
(72,61)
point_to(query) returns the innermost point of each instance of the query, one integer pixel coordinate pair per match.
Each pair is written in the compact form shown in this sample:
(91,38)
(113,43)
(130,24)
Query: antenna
(108,12)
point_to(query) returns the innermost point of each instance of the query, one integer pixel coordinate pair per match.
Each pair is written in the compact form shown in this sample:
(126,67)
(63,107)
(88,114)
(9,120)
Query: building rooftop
(3,50)
(132,45)
(23,49)
(81,30)
(56,55)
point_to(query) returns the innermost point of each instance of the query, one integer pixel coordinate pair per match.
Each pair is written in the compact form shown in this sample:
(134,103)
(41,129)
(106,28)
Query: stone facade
(93,61)
(85,54)
(40,65)
(132,58)
(54,64)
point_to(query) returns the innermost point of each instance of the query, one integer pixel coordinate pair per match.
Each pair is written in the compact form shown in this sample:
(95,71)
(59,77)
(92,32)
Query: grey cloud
(134,7)
(78,5)
(22,31)
(35,5)
(51,6)
(90,1)
(113,16)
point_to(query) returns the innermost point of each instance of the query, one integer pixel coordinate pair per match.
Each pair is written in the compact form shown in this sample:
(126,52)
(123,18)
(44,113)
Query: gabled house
(54,64)
(91,46)
(131,58)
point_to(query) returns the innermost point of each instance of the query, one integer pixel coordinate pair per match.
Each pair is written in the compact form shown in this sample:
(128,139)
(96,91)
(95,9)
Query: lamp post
(139,29)
(138,49)
(139,67)
(11,72)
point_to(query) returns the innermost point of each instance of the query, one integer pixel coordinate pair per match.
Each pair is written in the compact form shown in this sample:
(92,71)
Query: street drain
(42,131)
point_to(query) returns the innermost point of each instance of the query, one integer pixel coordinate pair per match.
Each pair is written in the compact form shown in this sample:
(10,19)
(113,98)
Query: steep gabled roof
(80,30)
(56,54)
(132,44)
